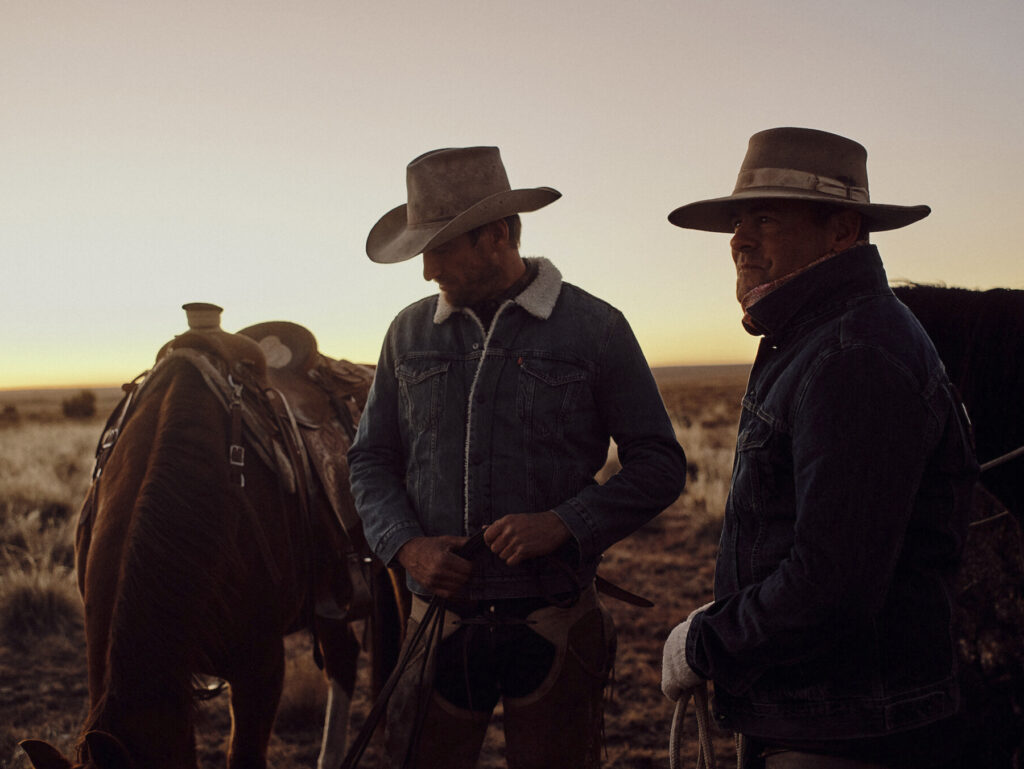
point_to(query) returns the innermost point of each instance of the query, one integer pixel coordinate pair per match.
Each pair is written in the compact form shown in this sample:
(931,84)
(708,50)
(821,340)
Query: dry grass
(37,600)
(44,473)
(45,464)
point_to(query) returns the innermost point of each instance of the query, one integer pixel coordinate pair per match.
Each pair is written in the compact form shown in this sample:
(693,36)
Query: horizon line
(117,385)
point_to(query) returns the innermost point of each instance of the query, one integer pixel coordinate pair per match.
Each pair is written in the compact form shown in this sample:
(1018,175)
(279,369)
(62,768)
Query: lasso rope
(705,748)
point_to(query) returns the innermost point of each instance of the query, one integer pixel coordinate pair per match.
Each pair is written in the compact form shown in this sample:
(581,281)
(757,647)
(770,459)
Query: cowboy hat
(799,164)
(450,191)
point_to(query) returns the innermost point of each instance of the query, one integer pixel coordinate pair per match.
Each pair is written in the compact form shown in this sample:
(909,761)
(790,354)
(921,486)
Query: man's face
(466,273)
(774,238)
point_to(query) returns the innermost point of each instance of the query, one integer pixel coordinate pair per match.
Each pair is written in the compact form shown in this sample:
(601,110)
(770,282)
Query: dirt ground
(43,691)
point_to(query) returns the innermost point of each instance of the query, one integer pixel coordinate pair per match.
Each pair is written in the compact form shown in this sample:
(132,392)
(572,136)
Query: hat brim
(392,240)
(717,214)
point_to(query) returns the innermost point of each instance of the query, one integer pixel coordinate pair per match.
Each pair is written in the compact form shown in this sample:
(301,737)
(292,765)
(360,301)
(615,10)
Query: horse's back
(979,336)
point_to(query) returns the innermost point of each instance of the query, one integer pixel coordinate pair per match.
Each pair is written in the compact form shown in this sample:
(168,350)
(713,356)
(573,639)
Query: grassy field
(45,466)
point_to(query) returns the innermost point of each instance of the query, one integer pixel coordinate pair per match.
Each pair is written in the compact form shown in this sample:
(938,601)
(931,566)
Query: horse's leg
(384,633)
(335,738)
(255,694)
(341,655)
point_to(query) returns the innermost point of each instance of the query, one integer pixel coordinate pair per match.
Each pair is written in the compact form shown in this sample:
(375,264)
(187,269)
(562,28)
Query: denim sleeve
(377,466)
(860,430)
(653,464)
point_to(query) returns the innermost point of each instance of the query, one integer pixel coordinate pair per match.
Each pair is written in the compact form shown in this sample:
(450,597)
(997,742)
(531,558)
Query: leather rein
(992,463)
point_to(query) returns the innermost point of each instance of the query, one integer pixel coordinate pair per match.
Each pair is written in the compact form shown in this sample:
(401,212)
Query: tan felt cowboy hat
(451,191)
(799,164)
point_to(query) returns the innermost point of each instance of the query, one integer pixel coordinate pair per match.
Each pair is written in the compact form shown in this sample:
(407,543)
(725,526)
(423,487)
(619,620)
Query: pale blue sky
(157,153)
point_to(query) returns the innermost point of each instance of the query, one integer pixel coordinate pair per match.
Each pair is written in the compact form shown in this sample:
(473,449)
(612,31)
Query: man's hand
(521,536)
(432,563)
(676,674)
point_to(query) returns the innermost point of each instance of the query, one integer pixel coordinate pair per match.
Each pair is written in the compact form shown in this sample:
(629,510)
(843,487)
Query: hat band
(423,224)
(798,180)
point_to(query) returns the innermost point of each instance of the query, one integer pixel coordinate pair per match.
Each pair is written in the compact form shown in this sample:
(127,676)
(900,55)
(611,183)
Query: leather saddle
(321,398)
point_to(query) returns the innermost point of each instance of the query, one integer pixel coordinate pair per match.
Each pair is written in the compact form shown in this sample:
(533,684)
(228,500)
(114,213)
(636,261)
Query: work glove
(676,674)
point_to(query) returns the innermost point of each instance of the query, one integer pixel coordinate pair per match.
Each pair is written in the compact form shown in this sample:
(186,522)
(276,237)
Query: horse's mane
(980,337)
(172,586)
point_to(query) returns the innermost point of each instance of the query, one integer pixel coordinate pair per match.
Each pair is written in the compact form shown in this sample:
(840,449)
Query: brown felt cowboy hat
(450,191)
(799,164)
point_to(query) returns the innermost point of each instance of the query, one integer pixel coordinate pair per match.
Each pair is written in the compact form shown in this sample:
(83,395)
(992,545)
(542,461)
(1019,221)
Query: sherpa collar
(538,298)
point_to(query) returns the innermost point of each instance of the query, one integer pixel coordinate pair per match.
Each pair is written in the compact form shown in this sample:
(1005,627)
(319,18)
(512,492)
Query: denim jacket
(464,425)
(845,519)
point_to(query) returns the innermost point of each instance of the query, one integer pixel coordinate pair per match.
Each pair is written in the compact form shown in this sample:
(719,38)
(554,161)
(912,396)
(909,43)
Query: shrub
(80,406)
(36,601)
(9,415)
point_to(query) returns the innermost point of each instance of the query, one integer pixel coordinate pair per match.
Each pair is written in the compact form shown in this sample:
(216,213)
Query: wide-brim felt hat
(799,164)
(450,192)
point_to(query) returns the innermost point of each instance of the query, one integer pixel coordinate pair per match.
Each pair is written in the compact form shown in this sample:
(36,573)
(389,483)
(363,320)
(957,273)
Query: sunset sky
(157,153)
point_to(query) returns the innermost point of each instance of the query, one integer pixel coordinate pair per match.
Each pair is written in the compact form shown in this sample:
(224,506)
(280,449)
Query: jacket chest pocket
(764,500)
(752,462)
(421,391)
(550,395)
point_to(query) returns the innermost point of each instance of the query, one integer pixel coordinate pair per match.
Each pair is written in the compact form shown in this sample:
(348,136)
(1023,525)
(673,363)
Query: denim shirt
(464,425)
(845,519)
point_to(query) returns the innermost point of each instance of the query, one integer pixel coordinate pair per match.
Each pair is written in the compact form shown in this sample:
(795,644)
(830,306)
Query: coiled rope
(705,748)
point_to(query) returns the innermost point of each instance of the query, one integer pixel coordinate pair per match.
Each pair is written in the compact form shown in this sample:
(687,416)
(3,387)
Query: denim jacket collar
(824,287)
(538,298)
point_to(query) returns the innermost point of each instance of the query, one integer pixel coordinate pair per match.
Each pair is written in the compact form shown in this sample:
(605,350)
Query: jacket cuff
(692,656)
(391,542)
(576,520)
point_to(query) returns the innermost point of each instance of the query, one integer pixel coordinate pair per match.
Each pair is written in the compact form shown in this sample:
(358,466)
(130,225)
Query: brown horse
(186,572)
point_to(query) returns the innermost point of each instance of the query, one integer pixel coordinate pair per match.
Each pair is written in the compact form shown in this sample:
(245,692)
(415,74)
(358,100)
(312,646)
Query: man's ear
(499,231)
(845,229)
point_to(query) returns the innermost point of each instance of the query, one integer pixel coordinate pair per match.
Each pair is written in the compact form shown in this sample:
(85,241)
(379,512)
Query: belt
(504,608)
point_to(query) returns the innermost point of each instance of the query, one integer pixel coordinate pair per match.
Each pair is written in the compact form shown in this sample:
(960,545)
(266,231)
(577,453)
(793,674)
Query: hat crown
(450,192)
(444,183)
(839,163)
(799,164)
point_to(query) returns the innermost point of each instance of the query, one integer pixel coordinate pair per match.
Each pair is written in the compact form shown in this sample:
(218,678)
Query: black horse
(980,337)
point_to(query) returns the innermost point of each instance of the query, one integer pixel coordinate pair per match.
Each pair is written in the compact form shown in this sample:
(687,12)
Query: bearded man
(491,411)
